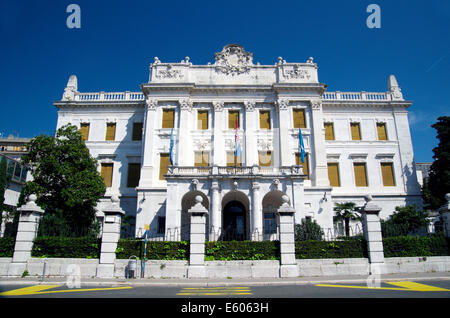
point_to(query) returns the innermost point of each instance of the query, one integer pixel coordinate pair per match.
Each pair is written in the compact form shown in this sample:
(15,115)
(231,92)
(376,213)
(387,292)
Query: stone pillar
(148,144)
(286,158)
(320,168)
(250,147)
(218,156)
(30,214)
(445,215)
(110,237)
(216,213)
(198,215)
(372,232)
(256,213)
(288,264)
(184,147)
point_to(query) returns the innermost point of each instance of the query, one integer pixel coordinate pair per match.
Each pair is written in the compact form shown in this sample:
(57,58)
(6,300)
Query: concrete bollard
(30,214)
(110,237)
(372,233)
(288,264)
(197,240)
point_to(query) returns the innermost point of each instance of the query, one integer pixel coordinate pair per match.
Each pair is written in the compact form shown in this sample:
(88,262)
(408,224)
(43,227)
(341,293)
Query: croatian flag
(171,148)
(237,142)
(302,146)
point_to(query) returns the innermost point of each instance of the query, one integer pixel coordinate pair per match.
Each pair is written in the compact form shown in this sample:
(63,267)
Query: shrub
(308,230)
(410,246)
(242,250)
(66,247)
(155,250)
(313,249)
(7,246)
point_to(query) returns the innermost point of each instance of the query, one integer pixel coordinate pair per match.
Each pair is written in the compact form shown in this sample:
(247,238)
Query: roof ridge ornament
(394,89)
(233,60)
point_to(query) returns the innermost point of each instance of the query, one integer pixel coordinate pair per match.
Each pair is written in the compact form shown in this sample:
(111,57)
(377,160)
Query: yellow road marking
(42,289)
(214,291)
(406,286)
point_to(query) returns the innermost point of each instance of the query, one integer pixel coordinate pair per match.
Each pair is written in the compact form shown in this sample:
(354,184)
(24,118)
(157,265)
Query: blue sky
(118,39)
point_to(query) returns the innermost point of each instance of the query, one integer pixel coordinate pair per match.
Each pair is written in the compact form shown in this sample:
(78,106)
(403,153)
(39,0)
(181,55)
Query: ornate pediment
(233,60)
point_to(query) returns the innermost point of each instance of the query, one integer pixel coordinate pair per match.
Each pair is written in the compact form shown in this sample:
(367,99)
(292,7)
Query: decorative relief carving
(201,144)
(282,103)
(185,104)
(151,103)
(264,144)
(169,72)
(296,73)
(316,104)
(218,106)
(249,105)
(233,60)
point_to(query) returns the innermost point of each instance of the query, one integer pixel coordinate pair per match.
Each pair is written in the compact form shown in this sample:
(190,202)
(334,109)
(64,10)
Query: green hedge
(242,250)
(409,246)
(7,246)
(66,247)
(349,248)
(155,250)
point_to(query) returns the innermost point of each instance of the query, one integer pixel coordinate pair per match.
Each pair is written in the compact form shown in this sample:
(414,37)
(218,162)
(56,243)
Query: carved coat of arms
(233,60)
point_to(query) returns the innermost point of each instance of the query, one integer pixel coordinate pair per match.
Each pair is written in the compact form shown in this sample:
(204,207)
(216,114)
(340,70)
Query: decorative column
(320,174)
(218,155)
(288,264)
(216,213)
(197,242)
(110,237)
(148,144)
(250,148)
(445,215)
(30,214)
(372,232)
(184,148)
(256,213)
(283,117)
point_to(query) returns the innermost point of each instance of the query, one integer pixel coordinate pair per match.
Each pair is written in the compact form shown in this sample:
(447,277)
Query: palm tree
(347,211)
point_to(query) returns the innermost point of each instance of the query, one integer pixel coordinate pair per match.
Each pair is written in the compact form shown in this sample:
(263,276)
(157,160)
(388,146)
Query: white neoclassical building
(356,143)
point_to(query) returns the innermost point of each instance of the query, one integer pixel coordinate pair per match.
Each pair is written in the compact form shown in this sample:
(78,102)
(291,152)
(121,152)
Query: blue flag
(238,150)
(171,148)
(302,146)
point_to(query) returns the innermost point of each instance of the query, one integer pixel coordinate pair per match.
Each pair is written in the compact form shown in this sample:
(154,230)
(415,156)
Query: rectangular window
(107,173)
(329,131)
(264,119)
(299,118)
(333,174)
(270,225)
(201,159)
(387,172)
(110,131)
(134,173)
(168,118)
(265,158)
(356,132)
(233,118)
(137,131)
(161,224)
(164,162)
(298,162)
(381,129)
(202,120)
(84,130)
(231,159)
(360,174)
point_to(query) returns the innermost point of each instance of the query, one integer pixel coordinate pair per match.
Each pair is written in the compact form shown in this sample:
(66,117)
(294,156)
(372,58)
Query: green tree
(439,182)
(347,211)
(404,221)
(308,230)
(65,180)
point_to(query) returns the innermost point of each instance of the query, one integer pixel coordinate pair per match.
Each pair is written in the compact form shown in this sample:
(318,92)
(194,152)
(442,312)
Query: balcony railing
(357,96)
(231,171)
(103,96)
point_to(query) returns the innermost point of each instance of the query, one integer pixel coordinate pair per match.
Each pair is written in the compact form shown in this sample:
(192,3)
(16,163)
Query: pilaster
(320,174)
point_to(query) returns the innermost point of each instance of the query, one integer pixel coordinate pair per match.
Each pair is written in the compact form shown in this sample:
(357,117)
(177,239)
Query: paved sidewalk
(224,282)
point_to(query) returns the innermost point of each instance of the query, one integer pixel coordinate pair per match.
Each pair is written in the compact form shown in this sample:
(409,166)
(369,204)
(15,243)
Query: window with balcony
(232,160)
(201,159)
(265,158)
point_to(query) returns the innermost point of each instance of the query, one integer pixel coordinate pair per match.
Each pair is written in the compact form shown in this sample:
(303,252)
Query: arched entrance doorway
(270,205)
(235,216)
(187,202)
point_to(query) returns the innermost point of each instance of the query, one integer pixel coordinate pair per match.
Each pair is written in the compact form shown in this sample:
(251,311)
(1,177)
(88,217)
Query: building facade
(356,143)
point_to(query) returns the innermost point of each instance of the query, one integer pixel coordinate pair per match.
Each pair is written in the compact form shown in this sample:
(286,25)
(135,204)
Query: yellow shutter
(233,116)
(134,173)
(299,118)
(356,133)
(107,172)
(230,160)
(360,174)
(381,128)
(329,131)
(265,158)
(164,163)
(201,159)
(387,173)
(84,130)
(202,119)
(264,119)
(110,131)
(168,118)
(305,165)
(137,131)
(333,174)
